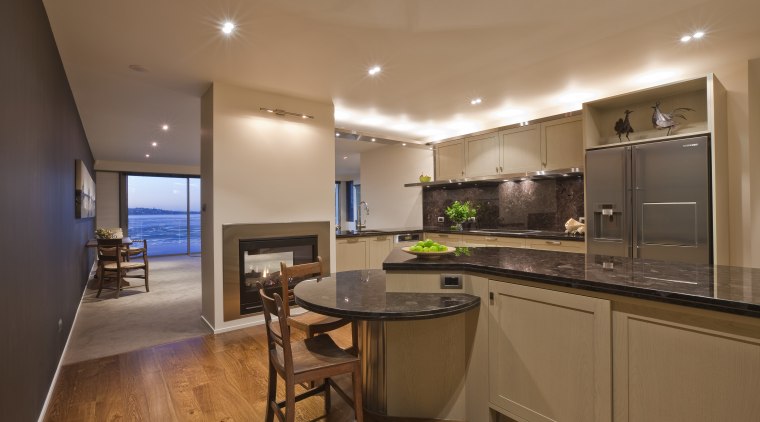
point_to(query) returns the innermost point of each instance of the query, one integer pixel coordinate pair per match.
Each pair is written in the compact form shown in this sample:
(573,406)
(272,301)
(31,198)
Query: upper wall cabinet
(562,143)
(521,149)
(482,153)
(449,160)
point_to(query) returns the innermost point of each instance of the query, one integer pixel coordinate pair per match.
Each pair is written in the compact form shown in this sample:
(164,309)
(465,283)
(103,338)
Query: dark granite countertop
(721,288)
(375,232)
(504,232)
(361,295)
(533,234)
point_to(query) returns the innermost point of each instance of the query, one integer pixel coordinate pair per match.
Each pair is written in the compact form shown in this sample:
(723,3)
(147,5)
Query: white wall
(264,169)
(106,199)
(384,171)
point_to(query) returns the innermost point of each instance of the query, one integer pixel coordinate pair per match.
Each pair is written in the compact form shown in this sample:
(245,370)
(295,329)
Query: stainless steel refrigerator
(650,200)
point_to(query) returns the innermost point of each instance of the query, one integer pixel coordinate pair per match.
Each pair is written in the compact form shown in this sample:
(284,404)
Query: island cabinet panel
(473,240)
(482,154)
(521,149)
(549,354)
(378,249)
(556,245)
(449,160)
(508,242)
(351,254)
(562,145)
(673,371)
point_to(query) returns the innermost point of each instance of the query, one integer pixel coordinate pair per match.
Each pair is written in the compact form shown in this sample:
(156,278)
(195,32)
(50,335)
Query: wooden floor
(211,378)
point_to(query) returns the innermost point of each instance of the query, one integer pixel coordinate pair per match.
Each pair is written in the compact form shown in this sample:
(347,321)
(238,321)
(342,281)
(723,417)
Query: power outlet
(440,219)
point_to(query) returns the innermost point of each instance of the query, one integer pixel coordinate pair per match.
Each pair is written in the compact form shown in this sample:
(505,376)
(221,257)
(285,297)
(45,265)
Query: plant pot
(457,227)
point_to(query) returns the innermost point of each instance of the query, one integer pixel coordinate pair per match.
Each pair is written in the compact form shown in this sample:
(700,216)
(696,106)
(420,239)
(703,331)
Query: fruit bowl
(430,255)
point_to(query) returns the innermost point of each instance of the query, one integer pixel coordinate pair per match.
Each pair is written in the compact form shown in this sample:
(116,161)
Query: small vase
(458,227)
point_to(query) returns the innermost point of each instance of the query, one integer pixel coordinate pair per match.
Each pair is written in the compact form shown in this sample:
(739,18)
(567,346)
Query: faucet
(361,222)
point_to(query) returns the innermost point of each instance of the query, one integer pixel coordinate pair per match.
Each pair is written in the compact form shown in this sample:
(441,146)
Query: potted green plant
(459,212)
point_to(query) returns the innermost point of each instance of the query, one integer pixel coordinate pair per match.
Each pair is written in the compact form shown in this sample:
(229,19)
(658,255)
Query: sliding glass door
(165,210)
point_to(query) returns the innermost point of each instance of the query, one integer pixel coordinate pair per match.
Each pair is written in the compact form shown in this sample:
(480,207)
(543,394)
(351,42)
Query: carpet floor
(138,319)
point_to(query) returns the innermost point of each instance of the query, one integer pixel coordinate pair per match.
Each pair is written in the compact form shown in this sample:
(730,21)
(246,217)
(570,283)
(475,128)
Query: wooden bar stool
(310,323)
(307,361)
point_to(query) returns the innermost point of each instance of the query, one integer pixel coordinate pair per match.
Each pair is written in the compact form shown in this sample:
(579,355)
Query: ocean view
(166,233)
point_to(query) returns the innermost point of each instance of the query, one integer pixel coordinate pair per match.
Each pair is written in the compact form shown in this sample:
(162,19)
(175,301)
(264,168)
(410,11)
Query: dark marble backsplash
(530,204)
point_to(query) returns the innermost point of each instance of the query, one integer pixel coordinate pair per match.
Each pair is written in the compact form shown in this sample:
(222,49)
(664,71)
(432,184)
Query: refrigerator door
(671,200)
(608,217)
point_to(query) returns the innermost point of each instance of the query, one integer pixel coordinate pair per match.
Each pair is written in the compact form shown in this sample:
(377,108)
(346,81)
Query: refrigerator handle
(633,217)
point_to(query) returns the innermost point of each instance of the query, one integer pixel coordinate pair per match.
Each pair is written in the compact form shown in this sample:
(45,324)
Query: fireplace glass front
(260,261)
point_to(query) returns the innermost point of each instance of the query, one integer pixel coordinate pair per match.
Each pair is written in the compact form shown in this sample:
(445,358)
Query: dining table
(363,297)
(92,243)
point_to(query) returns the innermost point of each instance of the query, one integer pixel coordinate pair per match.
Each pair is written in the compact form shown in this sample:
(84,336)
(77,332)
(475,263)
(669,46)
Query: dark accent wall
(43,261)
(532,204)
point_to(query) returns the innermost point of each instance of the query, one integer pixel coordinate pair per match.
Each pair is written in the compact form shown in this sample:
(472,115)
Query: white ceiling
(525,58)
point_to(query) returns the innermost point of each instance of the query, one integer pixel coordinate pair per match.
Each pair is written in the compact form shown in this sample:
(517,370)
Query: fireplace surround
(279,242)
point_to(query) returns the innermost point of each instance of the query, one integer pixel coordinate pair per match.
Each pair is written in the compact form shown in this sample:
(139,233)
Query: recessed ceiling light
(345,157)
(698,34)
(403,145)
(303,116)
(373,139)
(476,101)
(165,127)
(147,155)
(686,38)
(155,144)
(337,134)
(374,70)
(228,27)
(269,110)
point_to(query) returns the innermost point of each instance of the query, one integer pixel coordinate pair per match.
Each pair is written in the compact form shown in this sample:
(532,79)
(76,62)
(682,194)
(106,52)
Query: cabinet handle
(353,241)
(490,295)
(381,238)
(443,235)
(553,242)
(490,238)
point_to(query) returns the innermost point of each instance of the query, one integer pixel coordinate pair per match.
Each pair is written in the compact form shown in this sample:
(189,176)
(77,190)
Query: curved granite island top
(721,288)
(361,295)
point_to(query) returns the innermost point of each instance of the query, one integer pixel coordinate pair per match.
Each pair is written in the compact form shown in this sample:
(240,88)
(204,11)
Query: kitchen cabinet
(556,245)
(378,249)
(521,149)
(672,367)
(482,155)
(549,354)
(449,160)
(473,240)
(562,143)
(351,254)
(361,253)
(508,242)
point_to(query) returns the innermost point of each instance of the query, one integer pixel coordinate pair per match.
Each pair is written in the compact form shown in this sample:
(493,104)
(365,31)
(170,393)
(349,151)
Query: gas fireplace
(260,262)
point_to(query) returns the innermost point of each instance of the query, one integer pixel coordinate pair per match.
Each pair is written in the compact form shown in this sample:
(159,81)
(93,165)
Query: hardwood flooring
(219,377)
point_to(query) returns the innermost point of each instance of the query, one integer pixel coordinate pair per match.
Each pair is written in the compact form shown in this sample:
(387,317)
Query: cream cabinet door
(446,239)
(449,160)
(378,247)
(556,245)
(549,354)
(351,254)
(562,143)
(678,371)
(521,149)
(473,240)
(482,155)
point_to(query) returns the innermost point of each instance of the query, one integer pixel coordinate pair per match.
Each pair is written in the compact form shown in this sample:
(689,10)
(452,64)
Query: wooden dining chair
(304,362)
(309,322)
(111,259)
(138,249)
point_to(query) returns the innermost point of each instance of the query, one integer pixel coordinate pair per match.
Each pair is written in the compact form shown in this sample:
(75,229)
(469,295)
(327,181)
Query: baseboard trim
(51,389)
(249,322)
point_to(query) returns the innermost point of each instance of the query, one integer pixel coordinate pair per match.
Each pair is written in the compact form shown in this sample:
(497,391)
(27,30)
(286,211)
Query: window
(164,210)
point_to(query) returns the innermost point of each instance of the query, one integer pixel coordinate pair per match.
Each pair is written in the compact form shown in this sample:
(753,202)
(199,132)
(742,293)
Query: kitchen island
(563,336)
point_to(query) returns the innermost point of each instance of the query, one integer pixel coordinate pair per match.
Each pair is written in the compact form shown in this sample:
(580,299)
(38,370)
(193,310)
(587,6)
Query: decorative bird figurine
(623,126)
(662,120)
